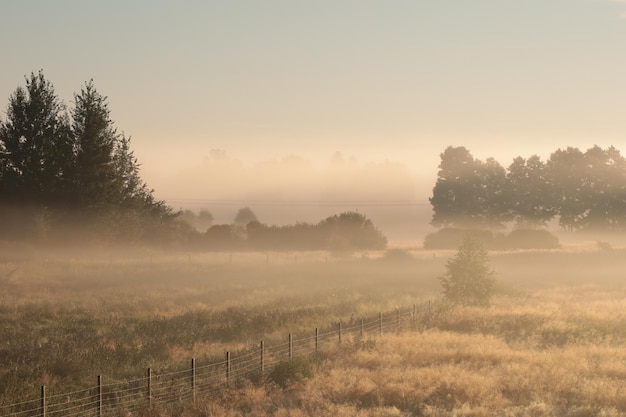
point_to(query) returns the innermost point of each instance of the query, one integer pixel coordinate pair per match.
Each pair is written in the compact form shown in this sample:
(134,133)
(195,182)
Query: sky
(394,81)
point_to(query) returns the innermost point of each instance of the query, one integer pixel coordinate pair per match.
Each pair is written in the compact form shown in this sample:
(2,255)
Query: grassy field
(551,343)
(552,352)
(66,317)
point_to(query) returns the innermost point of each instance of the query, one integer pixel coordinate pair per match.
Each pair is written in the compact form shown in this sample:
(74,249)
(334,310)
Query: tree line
(583,190)
(67,173)
(66,168)
(345,232)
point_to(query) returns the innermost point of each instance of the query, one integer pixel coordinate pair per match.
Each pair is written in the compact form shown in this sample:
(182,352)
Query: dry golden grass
(556,366)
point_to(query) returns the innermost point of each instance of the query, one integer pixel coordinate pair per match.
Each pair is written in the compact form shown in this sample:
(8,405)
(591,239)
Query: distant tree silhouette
(244,216)
(565,172)
(492,194)
(204,220)
(531,196)
(584,190)
(468,192)
(454,199)
(201,221)
(189,217)
(222,237)
(351,230)
(347,231)
(604,189)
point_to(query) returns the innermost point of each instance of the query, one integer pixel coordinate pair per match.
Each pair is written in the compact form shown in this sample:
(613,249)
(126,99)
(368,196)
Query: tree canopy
(583,190)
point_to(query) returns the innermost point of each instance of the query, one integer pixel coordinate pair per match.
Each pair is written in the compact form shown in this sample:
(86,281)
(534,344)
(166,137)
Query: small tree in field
(468,279)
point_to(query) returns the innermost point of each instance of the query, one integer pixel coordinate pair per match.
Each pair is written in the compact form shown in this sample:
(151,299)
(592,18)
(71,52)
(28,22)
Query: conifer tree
(95,141)
(35,146)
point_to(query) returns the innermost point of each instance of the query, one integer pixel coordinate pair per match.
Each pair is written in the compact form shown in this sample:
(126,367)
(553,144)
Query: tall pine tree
(36,146)
(95,139)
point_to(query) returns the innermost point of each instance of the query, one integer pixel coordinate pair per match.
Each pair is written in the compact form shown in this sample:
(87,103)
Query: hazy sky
(397,80)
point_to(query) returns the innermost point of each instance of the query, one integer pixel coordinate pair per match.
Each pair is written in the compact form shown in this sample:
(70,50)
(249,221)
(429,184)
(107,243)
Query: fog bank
(293,189)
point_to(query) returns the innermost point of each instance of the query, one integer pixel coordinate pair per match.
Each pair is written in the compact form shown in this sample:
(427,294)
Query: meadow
(550,344)
(556,353)
(67,316)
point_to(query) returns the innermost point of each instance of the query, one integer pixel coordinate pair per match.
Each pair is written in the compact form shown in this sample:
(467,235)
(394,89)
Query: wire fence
(131,397)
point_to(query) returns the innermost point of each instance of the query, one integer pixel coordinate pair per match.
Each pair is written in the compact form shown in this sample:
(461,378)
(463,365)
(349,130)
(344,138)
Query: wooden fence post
(227,367)
(339,332)
(149,388)
(290,346)
(99,414)
(42,411)
(193,379)
(361,327)
(262,357)
(380,324)
(317,339)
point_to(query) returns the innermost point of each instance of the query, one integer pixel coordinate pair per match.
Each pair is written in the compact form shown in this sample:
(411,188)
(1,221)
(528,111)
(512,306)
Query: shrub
(469,279)
(290,371)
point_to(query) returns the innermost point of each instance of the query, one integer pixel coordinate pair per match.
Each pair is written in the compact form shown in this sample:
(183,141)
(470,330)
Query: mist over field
(303,209)
(295,189)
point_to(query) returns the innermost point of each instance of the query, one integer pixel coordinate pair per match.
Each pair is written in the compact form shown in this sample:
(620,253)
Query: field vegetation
(550,343)
(67,317)
(558,352)
(548,352)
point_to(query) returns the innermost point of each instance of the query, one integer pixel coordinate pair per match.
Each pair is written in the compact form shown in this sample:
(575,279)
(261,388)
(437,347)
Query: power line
(299,203)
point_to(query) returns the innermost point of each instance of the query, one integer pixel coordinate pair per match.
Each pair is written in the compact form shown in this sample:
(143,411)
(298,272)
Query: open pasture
(549,352)
(69,316)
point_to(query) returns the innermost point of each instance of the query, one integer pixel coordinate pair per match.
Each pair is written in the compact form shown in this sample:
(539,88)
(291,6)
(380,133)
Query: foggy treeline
(344,232)
(68,174)
(583,190)
(288,190)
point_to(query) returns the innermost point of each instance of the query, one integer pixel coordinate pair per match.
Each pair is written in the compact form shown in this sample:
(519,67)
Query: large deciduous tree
(454,194)
(604,189)
(565,168)
(585,190)
(492,192)
(468,192)
(531,196)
